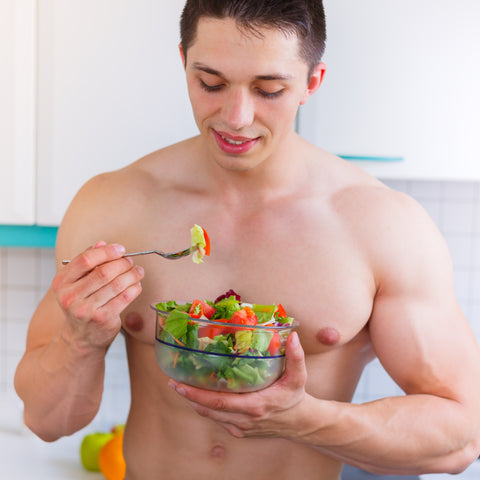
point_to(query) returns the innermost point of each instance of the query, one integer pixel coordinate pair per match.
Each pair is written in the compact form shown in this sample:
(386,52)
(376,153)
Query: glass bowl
(203,356)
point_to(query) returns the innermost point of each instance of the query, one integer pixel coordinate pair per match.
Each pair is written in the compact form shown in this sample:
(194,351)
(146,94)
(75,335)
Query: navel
(328,336)
(218,452)
(134,322)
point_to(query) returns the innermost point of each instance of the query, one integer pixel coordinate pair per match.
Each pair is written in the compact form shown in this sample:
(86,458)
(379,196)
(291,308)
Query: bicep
(425,347)
(418,330)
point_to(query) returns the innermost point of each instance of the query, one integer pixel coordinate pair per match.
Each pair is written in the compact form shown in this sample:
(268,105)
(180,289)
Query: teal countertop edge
(27,236)
(372,158)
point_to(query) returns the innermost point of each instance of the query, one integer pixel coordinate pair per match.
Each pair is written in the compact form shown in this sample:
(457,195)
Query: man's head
(303,18)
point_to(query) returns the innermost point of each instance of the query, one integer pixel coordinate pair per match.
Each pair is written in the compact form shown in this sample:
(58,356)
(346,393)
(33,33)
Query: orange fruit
(110,459)
(90,449)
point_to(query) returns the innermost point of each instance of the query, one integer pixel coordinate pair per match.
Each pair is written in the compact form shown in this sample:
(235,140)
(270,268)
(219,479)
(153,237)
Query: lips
(233,144)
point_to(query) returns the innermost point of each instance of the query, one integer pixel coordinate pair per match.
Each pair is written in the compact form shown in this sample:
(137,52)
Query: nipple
(133,322)
(328,336)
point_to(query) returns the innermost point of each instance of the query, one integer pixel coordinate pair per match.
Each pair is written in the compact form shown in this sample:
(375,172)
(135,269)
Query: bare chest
(320,277)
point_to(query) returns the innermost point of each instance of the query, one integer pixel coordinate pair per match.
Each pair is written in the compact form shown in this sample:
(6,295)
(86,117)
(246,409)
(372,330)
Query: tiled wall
(26,274)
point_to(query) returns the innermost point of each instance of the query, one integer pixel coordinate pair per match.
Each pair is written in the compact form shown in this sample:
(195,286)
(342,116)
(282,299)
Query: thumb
(295,369)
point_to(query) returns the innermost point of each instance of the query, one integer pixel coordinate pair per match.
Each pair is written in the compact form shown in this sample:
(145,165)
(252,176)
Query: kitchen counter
(24,456)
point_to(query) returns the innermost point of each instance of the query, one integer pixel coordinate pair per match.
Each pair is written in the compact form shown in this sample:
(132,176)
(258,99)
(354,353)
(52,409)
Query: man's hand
(93,289)
(272,412)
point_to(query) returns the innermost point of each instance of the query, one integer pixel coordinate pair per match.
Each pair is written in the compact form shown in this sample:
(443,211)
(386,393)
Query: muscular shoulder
(158,170)
(109,202)
(401,242)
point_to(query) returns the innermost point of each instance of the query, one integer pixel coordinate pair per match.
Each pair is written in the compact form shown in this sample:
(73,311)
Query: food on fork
(200,240)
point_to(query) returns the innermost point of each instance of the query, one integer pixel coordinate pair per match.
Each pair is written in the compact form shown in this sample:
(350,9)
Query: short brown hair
(304,18)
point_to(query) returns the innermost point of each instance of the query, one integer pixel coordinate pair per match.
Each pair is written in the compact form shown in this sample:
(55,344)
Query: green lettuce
(176,324)
(261,340)
(167,306)
(243,340)
(226,307)
(263,312)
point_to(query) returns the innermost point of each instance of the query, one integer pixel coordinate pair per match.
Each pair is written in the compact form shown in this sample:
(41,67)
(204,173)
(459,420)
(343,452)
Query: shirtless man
(362,268)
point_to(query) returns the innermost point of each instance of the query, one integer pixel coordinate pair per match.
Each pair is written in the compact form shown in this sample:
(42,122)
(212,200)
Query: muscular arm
(60,382)
(60,377)
(433,428)
(422,339)
(425,344)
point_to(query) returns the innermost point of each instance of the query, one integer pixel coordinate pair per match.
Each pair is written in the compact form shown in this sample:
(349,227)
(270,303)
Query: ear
(182,55)
(314,83)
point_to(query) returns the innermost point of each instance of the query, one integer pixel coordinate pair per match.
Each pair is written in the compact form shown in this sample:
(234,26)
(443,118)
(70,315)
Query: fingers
(94,288)
(100,272)
(89,259)
(120,288)
(110,286)
(256,413)
(109,279)
(232,411)
(295,374)
(224,401)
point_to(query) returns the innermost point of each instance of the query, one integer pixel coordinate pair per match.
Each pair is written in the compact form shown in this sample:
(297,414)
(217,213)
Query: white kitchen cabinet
(17,111)
(111,89)
(402,81)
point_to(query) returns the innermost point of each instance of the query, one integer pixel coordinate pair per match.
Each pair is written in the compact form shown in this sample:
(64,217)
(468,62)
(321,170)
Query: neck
(281,174)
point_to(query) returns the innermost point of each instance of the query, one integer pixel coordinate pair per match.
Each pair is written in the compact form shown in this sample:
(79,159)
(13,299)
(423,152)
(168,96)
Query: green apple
(90,448)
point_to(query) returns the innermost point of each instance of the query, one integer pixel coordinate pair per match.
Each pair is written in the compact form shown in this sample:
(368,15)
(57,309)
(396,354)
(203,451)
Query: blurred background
(91,86)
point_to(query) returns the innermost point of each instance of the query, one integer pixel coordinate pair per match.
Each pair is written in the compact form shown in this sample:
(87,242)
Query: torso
(325,281)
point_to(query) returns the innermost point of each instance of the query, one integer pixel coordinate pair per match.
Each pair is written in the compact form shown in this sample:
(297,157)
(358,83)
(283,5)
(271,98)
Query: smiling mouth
(234,144)
(235,140)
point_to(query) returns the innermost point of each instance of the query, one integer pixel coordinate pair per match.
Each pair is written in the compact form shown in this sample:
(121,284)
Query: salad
(224,344)
(199,238)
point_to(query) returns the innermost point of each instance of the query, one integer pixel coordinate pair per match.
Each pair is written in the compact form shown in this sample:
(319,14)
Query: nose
(238,109)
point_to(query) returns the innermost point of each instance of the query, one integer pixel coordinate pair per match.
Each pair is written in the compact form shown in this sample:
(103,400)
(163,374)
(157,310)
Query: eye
(270,95)
(210,88)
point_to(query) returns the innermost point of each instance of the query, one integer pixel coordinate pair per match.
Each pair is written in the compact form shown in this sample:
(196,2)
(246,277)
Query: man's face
(245,91)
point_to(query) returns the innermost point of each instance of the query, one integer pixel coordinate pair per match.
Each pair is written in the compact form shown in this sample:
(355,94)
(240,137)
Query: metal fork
(168,256)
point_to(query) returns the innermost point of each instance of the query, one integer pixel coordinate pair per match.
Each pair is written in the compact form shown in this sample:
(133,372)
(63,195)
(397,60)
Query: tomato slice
(274,345)
(245,316)
(281,311)
(212,331)
(200,308)
(207,242)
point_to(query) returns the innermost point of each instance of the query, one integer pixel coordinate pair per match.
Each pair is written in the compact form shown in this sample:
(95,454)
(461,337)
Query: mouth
(234,144)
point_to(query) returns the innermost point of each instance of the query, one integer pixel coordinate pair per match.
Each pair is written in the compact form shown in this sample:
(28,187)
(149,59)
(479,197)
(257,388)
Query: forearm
(403,435)
(61,385)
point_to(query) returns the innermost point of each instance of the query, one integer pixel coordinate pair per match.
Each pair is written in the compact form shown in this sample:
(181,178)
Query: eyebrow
(212,71)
